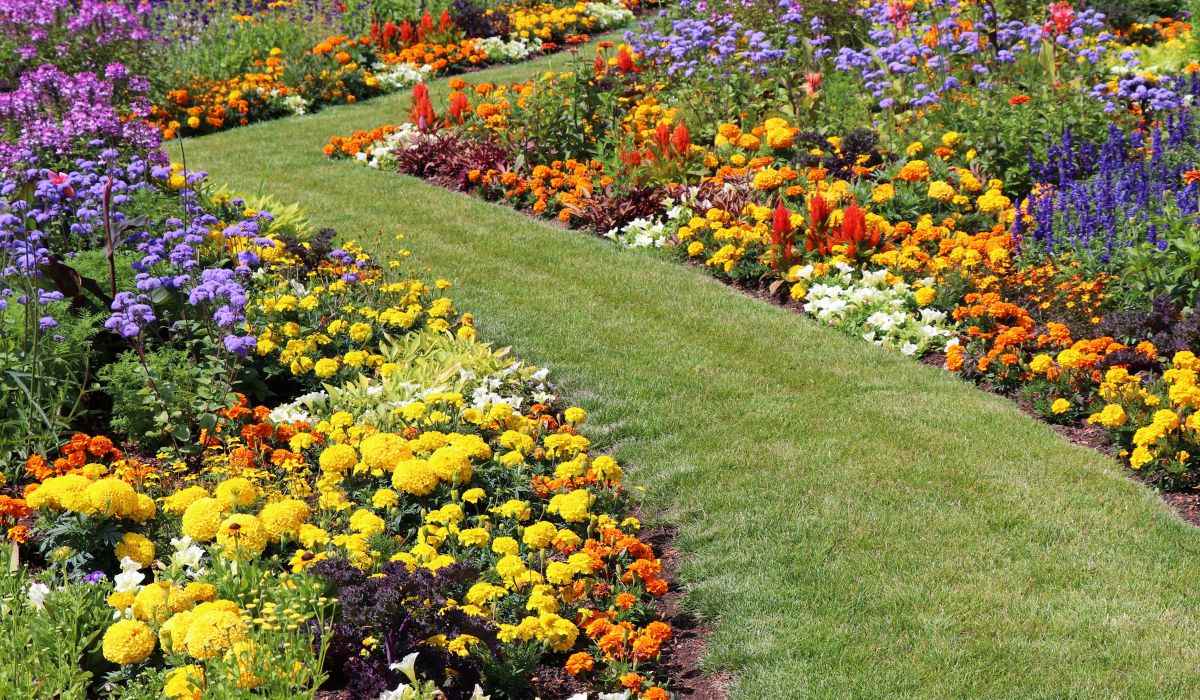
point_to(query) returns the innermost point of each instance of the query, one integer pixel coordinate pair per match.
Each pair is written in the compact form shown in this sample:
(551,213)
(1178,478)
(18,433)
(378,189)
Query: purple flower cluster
(707,44)
(70,29)
(1095,200)
(916,55)
(60,115)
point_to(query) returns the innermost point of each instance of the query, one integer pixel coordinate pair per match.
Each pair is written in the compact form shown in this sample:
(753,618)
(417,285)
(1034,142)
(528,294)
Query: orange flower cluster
(204,105)
(549,189)
(439,56)
(83,450)
(249,442)
(12,510)
(353,144)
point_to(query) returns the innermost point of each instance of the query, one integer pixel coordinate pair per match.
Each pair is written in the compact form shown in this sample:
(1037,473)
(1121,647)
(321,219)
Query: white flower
(187,553)
(908,349)
(407,666)
(37,595)
(477,694)
(130,578)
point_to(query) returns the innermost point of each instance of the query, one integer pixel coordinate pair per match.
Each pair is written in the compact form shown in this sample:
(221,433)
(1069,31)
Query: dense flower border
(919,251)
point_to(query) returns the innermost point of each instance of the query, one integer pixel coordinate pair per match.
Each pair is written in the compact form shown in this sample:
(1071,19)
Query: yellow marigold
(451,464)
(606,468)
(110,497)
(1111,416)
(557,632)
(539,535)
(178,502)
(993,202)
(883,193)
(384,498)
(366,523)
(1060,406)
(136,547)
(159,600)
(144,509)
(575,415)
(202,519)
(473,537)
(1040,364)
(414,477)
(200,592)
(325,367)
(780,138)
(235,492)
(505,545)
(214,628)
(128,642)
(571,507)
(312,536)
(381,452)
(940,191)
(241,536)
(283,517)
(950,139)
(925,296)
(338,459)
(767,179)
(185,683)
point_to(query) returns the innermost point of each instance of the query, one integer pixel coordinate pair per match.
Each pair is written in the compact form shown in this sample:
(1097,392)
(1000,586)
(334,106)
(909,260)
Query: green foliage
(44,375)
(1148,271)
(162,397)
(51,651)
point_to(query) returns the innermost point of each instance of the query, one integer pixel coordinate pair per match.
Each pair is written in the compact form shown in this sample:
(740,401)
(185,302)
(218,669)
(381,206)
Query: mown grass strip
(856,524)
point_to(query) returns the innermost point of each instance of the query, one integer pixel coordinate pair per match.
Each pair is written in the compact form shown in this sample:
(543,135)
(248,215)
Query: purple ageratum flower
(240,345)
(131,314)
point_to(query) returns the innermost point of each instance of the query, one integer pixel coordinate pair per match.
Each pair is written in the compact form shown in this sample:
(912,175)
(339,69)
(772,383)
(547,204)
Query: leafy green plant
(164,396)
(51,640)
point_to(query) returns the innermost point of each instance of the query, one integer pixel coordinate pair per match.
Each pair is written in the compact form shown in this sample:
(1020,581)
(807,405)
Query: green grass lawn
(856,524)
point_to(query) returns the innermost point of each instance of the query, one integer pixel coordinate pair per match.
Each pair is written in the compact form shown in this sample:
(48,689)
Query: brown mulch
(682,655)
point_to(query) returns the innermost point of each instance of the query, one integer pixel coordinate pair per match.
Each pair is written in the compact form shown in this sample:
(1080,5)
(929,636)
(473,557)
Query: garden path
(854,523)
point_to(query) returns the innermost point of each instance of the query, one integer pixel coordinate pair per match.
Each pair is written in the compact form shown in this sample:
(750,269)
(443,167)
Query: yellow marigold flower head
(185,683)
(505,545)
(384,498)
(1060,406)
(235,492)
(159,600)
(214,628)
(136,547)
(940,191)
(366,523)
(178,502)
(539,535)
(338,459)
(325,367)
(282,517)
(200,592)
(110,497)
(451,464)
(414,477)
(128,642)
(144,509)
(575,415)
(383,451)
(571,507)
(202,519)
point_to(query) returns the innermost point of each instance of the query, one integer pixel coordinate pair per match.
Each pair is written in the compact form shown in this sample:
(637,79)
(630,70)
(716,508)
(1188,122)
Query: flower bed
(1014,193)
(291,60)
(240,460)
